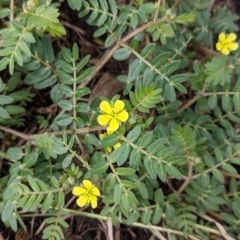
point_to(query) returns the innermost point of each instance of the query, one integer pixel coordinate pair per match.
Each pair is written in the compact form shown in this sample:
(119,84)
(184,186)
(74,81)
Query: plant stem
(215,166)
(193,100)
(11,10)
(31,137)
(184,185)
(136,224)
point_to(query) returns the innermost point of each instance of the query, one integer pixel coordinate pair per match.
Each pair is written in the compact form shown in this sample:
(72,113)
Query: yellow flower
(112,115)
(103,135)
(226,43)
(87,193)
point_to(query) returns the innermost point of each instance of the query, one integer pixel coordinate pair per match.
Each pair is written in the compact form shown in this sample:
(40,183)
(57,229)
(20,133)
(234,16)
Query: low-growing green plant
(163,154)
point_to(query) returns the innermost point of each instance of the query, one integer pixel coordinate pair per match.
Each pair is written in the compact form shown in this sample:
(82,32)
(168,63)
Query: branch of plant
(186,182)
(219,226)
(105,58)
(193,100)
(157,4)
(11,17)
(57,133)
(215,166)
(136,224)
(233,175)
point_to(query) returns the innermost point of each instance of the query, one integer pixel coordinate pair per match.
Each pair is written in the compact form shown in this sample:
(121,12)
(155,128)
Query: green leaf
(218,71)
(3,113)
(117,193)
(3,63)
(125,201)
(122,171)
(109,140)
(143,190)
(157,215)
(146,216)
(82,107)
(67,161)
(236,102)
(134,134)
(37,75)
(113,7)
(160,59)
(173,171)
(14,109)
(135,68)
(161,172)
(149,165)
(48,54)
(236,209)
(122,54)
(75,4)
(47,202)
(147,8)
(123,153)
(33,184)
(5,99)
(170,92)
(92,139)
(65,105)
(7,211)
(218,175)
(28,37)
(4,12)
(75,52)
(82,63)
(82,92)
(30,159)
(155,146)
(227,103)
(145,140)
(109,183)
(229,168)
(146,97)
(99,168)
(84,75)
(135,158)
(159,197)
(15,153)
(148,50)
(129,184)
(212,101)
(63,120)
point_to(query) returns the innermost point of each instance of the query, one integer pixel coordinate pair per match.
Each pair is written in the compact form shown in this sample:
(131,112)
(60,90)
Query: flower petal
(114,125)
(233,46)
(101,136)
(109,149)
(95,191)
(225,51)
(118,106)
(123,116)
(222,37)
(77,191)
(109,132)
(117,145)
(93,201)
(219,46)
(231,37)
(88,185)
(104,119)
(106,107)
(82,200)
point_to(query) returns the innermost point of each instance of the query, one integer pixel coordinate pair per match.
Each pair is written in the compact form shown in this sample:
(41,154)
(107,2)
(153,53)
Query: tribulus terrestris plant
(162,153)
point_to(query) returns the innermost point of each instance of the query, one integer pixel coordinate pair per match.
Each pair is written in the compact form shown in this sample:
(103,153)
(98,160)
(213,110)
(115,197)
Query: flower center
(226,44)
